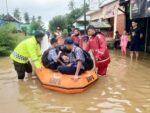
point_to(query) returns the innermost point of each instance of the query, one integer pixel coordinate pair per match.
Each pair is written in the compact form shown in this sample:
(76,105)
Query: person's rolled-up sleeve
(53,55)
(80,55)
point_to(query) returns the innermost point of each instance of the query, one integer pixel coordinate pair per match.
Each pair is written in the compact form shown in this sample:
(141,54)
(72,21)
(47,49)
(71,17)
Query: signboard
(139,8)
(110,10)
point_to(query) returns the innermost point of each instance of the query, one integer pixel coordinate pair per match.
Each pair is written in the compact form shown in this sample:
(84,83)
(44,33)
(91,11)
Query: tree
(6,46)
(71,5)
(26,17)
(75,14)
(17,14)
(57,21)
(40,22)
(33,19)
(2,16)
(67,20)
(37,24)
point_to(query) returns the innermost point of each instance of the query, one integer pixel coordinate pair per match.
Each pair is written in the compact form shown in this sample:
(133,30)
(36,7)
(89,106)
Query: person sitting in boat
(76,58)
(51,57)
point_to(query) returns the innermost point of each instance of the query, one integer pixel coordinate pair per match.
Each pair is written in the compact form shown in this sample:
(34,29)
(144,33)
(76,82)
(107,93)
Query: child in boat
(51,57)
(76,58)
(124,42)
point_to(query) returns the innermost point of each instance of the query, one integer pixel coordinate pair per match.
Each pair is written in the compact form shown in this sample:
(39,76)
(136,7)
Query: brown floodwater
(126,89)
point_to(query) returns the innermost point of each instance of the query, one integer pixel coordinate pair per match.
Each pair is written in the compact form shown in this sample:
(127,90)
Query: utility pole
(85,16)
(7,6)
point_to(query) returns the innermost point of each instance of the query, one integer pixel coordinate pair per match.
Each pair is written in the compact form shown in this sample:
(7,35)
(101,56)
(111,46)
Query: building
(80,23)
(139,10)
(10,19)
(109,15)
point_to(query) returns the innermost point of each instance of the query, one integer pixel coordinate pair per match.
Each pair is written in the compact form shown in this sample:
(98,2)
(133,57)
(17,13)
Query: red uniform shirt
(99,49)
(78,39)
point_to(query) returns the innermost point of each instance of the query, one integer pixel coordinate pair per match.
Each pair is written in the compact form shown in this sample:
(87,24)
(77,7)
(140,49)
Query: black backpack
(88,64)
(45,60)
(46,63)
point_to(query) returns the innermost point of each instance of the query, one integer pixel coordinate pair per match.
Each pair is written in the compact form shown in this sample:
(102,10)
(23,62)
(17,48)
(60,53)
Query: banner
(139,8)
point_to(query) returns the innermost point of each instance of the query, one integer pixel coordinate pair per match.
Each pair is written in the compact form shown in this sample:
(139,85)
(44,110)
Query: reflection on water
(126,89)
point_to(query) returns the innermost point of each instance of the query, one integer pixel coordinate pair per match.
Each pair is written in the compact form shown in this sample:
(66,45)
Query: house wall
(120,23)
(96,16)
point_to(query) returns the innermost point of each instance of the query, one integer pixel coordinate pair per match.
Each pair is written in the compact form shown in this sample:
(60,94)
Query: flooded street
(126,89)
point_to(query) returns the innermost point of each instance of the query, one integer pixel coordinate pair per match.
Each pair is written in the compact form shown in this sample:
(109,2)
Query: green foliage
(67,20)
(65,33)
(8,40)
(26,17)
(37,24)
(71,5)
(57,21)
(17,14)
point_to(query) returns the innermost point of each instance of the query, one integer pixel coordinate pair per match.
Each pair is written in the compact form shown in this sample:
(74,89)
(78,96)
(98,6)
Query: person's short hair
(135,21)
(77,29)
(68,41)
(39,34)
(90,27)
(117,32)
(73,27)
(53,40)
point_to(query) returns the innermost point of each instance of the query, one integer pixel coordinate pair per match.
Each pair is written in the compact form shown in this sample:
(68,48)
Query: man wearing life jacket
(97,44)
(77,38)
(27,49)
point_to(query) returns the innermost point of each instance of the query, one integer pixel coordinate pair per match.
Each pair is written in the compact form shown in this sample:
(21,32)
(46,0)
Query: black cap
(39,34)
(68,41)
(53,40)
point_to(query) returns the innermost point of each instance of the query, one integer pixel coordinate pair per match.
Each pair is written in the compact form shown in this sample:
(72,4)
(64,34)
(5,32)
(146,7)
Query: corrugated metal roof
(80,19)
(92,11)
(101,24)
(9,17)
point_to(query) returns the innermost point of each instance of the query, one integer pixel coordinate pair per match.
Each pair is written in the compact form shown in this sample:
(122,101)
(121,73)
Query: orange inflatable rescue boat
(64,83)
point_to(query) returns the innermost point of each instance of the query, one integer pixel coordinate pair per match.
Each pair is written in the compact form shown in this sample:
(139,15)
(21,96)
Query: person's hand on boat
(59,54)
(75,77)
(41,68)
(69,65)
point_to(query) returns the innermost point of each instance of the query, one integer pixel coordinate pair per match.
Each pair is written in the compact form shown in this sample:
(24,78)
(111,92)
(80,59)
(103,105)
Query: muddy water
(126,89)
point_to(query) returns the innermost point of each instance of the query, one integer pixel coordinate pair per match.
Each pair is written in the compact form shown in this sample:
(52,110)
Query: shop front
(140,10)
(114,16)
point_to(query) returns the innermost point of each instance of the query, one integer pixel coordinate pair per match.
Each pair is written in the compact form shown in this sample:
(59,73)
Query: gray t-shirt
(52,55)
(75,55)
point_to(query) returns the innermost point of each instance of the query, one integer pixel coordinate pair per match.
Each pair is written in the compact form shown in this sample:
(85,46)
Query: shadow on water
(126,89)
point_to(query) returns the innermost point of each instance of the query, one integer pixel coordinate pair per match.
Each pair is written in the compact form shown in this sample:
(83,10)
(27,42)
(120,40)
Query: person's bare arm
(79,64)
(61,62)
(141,35)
